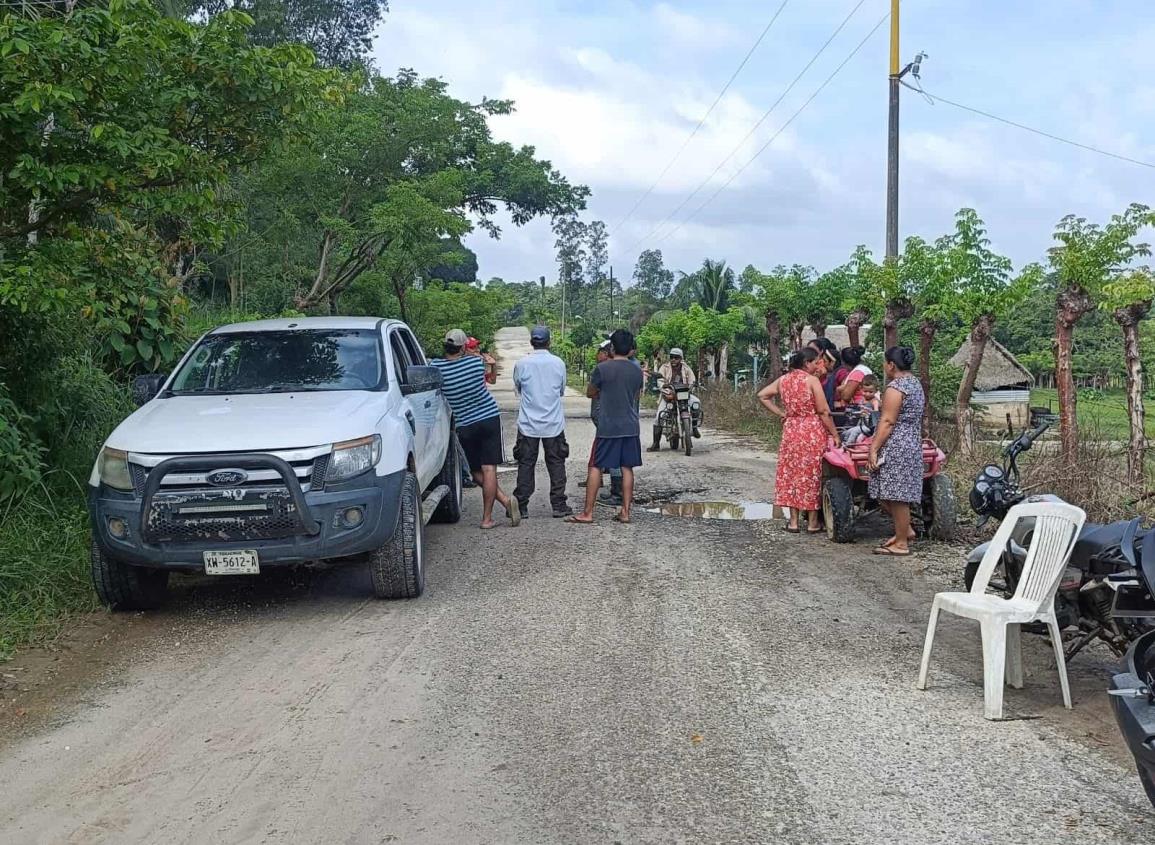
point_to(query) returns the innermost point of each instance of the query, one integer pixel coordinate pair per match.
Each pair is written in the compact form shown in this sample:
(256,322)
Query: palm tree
(710,286)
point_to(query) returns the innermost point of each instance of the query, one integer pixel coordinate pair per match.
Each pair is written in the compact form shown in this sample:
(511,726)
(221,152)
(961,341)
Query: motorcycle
(1133,689)
(675,421)
(1102,553)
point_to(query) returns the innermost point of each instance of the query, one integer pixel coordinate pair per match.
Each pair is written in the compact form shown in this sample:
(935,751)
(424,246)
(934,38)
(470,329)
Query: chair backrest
(1053,537)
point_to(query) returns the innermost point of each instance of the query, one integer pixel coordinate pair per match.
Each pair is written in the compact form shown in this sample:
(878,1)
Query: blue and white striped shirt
(464,386)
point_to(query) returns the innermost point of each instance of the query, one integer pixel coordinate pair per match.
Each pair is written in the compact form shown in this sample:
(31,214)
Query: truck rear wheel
(449,509)
(120,586)
(398,567)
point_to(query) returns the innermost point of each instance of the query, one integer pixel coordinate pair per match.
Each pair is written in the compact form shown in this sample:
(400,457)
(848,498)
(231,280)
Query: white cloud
(692,31)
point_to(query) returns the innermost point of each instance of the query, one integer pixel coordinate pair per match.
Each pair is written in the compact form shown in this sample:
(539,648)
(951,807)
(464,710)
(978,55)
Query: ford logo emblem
(227,477)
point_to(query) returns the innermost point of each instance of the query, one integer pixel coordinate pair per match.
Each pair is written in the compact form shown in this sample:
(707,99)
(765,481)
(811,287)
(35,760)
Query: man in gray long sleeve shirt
(539,379)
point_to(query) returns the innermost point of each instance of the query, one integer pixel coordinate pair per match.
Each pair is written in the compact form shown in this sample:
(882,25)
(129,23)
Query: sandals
(891,551)
(573,520)
(619,518)
(790,530)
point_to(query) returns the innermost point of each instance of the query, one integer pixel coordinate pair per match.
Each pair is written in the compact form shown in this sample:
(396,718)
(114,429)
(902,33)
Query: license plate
(243,562)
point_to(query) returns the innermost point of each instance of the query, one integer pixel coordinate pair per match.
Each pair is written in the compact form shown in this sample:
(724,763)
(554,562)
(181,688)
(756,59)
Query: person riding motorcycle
(675,371)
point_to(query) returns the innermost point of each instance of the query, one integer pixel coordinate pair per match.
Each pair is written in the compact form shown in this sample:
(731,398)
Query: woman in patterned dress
(896,451)
(807,420)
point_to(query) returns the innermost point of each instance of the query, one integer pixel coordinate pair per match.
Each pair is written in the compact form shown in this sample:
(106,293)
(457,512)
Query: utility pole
(611,320)
(892,139)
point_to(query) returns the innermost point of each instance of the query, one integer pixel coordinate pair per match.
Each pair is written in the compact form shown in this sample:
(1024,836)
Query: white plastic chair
(1057,526)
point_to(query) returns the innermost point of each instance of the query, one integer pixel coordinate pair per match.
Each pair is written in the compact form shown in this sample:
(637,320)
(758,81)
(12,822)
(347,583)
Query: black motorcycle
(1084,600)
(1133,689)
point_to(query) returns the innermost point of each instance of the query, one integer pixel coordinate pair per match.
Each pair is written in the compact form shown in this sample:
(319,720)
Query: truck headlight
(112,467)
(353,457)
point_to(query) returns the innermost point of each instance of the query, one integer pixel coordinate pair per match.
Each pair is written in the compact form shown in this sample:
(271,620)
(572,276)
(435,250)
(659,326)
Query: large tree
(1086,257)
(339,32)
(395,166)
(652,277)
(119,129)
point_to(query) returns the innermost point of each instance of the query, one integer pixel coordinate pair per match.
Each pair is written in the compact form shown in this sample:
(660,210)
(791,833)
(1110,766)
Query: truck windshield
(282,361)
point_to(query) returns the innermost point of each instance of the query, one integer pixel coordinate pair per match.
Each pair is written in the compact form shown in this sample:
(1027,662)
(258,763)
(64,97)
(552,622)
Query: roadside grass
(1104,411)
(741,413)
(43,563)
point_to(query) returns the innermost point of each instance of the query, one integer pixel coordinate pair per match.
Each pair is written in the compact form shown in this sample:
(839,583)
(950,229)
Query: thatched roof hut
(999,368)
(838,335)
(1002,393)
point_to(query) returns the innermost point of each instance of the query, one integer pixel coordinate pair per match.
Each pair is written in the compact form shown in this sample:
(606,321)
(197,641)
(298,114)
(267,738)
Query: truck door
(434,401)
(412,407)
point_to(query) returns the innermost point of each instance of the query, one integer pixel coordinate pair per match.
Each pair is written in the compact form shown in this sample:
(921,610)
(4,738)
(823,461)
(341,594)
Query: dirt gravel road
(673,680)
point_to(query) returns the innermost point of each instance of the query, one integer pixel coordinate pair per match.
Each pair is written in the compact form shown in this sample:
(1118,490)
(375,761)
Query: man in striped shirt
(478,422)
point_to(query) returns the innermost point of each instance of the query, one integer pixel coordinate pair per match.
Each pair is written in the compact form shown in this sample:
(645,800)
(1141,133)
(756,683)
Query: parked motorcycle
(676,421)
(1133,689)
(1086,595)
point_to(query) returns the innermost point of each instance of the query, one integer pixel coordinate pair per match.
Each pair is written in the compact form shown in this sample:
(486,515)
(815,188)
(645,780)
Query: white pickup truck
(275,443)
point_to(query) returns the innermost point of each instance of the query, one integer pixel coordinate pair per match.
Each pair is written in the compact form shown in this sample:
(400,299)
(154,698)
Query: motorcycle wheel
(1148,782)
(687,436)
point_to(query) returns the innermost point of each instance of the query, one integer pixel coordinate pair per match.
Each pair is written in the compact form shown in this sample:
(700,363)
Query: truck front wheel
(398,567)
(120,586)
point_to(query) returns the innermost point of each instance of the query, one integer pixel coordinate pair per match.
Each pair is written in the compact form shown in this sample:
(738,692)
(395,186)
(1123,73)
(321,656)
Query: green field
(1104,410)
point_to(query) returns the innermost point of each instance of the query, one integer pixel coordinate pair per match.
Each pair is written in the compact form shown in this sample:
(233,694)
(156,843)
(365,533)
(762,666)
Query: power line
(753,129)
(935,98)
(781,129)
(701,122)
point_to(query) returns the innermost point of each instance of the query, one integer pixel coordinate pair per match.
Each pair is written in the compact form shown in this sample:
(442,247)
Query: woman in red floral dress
(807,420)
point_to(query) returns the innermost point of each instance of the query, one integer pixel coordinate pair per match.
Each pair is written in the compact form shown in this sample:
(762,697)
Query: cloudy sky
(609,92)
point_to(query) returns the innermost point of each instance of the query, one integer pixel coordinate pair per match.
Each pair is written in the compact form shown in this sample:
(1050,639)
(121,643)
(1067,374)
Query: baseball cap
(540,334)
(605,344)
(472,343)
(676,353)
(457,337)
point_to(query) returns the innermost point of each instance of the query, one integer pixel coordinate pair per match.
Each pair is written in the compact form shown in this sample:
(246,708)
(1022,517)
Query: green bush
(20,453)
(43,563)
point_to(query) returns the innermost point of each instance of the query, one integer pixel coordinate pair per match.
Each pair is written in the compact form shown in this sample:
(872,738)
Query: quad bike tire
(398,567)
(120,586)
(838,508)
(943,509)
(449,509)
(687,436)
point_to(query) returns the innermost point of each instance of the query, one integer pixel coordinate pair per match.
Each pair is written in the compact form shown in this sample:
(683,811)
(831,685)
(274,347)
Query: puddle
(716,510)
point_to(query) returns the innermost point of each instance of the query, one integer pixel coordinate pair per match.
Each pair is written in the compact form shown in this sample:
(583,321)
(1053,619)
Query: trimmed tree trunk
(926,331)
(1128,319)
(1072,304)
(855,320)
(701,369)
(723,364)
(774,346)
(819,329)
(796,335)
(896,311)
(964,415)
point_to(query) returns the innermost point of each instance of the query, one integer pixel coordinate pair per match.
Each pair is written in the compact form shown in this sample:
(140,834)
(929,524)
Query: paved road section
(671,681)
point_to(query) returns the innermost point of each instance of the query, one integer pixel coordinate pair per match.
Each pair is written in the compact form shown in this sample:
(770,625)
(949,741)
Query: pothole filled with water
(716,510)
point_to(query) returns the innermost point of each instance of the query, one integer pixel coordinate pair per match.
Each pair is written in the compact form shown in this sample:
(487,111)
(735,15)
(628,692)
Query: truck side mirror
(145,388)
(421,379)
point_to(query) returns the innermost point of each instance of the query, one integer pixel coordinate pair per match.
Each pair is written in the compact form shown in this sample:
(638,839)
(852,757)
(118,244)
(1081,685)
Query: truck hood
(249,422)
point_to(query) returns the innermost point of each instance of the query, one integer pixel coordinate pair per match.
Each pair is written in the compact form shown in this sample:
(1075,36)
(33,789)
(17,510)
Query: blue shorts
(618,452)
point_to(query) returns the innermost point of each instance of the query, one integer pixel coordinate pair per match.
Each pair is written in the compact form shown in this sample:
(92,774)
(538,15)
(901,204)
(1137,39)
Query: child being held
(869,404)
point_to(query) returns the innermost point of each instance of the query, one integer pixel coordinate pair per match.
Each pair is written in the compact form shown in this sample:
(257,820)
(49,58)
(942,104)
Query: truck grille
(253,513)
(308,465)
